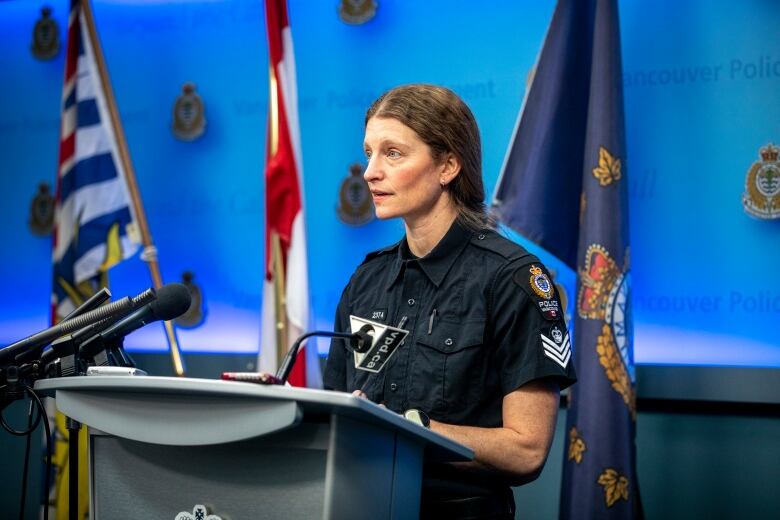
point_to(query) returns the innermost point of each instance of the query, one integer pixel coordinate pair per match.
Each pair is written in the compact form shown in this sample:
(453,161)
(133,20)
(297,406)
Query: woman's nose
(373,171)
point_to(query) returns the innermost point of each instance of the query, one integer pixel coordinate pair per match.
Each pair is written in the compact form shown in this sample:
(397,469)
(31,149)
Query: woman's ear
(449,170)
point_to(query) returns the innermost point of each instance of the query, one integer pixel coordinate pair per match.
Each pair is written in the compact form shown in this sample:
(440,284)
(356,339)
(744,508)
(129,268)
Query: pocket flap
(448,337)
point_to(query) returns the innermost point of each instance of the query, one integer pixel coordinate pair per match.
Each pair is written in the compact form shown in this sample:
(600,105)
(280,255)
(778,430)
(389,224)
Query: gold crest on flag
(762,185)
(46,36)
(189,117)
(355,205)
(356,12)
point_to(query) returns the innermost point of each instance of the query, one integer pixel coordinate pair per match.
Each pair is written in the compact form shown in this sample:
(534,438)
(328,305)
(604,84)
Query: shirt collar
(439,261)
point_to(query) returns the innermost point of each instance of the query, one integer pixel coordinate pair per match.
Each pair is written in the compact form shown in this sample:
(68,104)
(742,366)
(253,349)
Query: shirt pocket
(448,367)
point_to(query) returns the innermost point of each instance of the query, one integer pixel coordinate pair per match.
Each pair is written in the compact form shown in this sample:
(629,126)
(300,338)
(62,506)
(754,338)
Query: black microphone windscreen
(172,301)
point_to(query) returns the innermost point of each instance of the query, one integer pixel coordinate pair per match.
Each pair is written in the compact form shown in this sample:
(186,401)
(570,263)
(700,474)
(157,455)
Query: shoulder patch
(496,243)
(380,252)
(536,281)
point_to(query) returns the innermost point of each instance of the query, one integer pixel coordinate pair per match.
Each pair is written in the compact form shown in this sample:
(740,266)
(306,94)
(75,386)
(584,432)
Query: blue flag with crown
(564,186)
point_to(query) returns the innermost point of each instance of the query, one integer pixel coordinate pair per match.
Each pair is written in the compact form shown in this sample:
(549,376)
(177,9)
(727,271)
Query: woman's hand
(362,395)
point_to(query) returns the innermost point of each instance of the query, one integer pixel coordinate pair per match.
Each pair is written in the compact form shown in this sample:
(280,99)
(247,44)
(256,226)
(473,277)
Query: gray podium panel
(261,478)
(159,446)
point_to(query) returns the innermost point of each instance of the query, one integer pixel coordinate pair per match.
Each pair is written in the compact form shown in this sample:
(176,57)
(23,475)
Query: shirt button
(410,301)
(393,387)
(481,237)
(448,341)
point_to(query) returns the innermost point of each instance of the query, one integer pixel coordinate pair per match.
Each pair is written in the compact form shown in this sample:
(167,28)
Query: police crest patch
(541,289)
(540,283)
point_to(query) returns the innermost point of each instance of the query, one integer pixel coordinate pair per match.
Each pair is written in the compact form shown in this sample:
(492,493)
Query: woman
(487,350)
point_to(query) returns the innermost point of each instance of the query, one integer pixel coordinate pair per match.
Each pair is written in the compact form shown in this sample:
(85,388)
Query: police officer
(487,350)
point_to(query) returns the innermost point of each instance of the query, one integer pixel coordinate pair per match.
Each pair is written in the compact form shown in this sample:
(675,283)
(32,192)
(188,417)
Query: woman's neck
(423,234)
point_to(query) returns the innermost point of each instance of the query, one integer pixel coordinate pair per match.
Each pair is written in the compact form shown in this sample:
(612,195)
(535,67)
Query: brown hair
(445,123)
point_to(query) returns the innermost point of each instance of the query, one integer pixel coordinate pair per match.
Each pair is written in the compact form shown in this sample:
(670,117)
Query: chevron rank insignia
(557,346)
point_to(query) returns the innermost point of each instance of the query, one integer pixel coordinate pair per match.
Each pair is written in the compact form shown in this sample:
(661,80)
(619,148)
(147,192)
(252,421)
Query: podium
(159,446)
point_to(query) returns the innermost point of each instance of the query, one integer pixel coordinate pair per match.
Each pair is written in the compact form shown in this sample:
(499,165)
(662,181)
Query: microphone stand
(286,367)
(74,429)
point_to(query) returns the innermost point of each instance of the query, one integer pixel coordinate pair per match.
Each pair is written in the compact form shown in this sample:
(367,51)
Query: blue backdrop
(701,85)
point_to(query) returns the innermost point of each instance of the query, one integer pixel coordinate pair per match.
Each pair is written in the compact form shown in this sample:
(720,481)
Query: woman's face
(404,179)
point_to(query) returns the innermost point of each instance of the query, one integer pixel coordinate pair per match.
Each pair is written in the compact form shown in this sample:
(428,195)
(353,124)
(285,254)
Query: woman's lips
(379,196)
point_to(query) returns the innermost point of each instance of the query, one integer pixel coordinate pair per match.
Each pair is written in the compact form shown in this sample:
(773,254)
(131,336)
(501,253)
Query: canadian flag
(286,283)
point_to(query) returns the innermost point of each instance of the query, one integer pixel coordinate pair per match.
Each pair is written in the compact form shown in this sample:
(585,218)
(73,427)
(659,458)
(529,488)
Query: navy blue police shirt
(483,318)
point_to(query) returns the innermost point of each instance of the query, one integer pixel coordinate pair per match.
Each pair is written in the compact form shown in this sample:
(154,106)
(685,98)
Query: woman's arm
(519,448)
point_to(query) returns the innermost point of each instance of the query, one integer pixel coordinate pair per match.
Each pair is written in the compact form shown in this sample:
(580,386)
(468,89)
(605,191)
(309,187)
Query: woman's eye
(368,154)
(393,154)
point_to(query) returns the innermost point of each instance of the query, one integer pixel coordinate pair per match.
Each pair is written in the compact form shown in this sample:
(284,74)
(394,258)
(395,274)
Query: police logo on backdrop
(355,205)
(195,314)
(199,512)
(41,219)
(356,12)
(46,36)
(604,295)
(762,185)
(189,118)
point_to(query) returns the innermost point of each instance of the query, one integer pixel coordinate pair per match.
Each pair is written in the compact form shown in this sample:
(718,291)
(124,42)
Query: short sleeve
(335,376)
(529,331)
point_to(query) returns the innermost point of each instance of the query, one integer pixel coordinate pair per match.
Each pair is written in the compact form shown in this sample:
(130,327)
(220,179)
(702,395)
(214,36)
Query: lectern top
(314,404)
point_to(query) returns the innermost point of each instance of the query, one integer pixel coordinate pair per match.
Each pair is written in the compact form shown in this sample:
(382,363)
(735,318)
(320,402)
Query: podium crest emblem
(762,185)
(189,118)
(199,512)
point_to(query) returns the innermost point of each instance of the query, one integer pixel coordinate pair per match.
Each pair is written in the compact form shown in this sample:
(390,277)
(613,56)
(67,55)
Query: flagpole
(149,254)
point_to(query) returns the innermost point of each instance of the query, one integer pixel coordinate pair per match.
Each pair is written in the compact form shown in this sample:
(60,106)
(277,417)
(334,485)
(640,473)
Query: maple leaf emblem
(615,486)
(608,170)
(576,445)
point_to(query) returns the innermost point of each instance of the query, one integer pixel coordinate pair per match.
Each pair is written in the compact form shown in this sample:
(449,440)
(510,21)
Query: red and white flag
(286,284)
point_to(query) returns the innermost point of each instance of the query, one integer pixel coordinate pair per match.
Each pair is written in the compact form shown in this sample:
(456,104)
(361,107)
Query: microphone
(93,302)
(67,345)
(172,301)
(65,327)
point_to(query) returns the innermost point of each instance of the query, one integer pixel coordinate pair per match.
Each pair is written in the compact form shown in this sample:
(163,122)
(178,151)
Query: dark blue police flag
(564,186)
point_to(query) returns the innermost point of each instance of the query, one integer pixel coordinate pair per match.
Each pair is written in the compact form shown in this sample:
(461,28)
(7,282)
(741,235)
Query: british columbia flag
(94,220)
